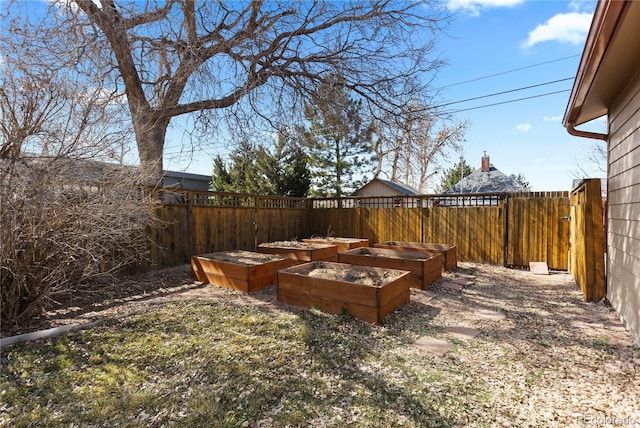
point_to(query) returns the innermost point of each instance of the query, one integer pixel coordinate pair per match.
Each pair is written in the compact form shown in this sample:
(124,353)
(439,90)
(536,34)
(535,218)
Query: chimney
(485,166)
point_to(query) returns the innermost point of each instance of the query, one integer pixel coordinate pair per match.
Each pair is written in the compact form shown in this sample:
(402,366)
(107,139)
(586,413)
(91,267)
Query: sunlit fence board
(504,229)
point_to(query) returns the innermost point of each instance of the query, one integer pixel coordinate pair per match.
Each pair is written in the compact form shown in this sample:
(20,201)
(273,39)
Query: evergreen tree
(255,170)
(292,176)
(453,175)
(338,140)
(521,180)
(220,180)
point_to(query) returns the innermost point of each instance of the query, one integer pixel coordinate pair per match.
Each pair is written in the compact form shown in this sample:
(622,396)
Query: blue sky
(490,37)
(486,37)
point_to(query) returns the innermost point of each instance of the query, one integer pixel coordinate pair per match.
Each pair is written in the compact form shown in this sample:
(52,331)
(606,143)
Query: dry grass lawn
(175,353)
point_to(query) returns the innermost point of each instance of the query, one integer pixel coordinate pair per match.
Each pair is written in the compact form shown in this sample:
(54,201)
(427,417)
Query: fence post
(505,247)
(587,239)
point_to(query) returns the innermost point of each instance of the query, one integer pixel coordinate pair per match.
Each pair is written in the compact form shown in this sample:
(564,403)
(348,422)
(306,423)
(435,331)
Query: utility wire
(207,149)
(503,92)
(509,71)
(509,101)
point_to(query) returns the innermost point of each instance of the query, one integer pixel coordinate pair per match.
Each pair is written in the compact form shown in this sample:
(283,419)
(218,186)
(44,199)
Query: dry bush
(60,229)
(65,217)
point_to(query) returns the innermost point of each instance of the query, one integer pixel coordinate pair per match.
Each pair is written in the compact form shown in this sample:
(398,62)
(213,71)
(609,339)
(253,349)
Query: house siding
(623,229)
(378,188)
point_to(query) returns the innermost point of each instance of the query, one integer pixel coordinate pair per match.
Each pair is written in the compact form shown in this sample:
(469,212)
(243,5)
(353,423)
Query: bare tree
(258,58)
(412,144)
(596,162)
(65,216)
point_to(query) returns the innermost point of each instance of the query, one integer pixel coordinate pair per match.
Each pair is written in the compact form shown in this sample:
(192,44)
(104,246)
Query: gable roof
(401,188)
(481,181)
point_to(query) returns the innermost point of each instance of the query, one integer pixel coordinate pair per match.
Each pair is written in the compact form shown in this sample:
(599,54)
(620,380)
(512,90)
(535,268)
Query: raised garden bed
(343,244)
(301,252)
(450,252)
(246,271)
(368,293)
(424,267)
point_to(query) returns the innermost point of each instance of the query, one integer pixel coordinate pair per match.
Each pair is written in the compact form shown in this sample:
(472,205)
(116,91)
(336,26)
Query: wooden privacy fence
(587,239)
(508,229)
(205,222)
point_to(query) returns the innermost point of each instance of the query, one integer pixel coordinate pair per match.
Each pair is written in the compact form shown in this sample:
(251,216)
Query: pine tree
(338,140)
(453,175)
(256,170)
(220,180)
(521,180)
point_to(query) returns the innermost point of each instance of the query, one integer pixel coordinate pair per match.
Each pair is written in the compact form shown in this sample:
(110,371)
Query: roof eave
(603,28)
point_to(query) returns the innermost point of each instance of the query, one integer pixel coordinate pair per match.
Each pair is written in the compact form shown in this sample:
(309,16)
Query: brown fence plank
(587,239)
(218,222)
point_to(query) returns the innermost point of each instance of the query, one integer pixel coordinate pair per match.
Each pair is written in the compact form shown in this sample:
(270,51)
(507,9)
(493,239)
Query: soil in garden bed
(241,257)
(293,244)
(350,273)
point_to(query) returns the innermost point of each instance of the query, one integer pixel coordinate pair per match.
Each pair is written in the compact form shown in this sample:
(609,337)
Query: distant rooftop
(485,180)
(380,187)
(400,187)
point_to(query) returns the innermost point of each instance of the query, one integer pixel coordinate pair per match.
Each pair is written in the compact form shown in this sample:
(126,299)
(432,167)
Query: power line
(509,71)
(206,150)
(504,92)
(510,101)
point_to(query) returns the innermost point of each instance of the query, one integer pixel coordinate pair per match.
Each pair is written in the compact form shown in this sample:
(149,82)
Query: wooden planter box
(245,271)
(308,286)
(343,244)
(450,252)
(424,267)
(300,252)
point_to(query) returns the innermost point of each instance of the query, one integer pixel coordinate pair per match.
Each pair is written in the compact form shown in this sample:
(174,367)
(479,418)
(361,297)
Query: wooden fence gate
(587,264)
(510,229)
(537,228)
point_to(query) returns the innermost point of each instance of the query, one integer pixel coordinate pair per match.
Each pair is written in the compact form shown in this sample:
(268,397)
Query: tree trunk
(150,135)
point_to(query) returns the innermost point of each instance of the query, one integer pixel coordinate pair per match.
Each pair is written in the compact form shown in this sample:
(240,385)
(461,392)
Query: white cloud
(473,6)
(569,27)
(557,118)
(578,5)
(523,127)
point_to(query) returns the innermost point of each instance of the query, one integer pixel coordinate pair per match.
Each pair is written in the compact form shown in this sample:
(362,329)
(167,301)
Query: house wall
(377,188)
(186,181)
(623,229)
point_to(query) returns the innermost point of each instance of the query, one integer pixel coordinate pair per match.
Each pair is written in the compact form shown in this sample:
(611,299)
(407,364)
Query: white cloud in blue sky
(473,7)
(571,27)
(556,118)
(523,127)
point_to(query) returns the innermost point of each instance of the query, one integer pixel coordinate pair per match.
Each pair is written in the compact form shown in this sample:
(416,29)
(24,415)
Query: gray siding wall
(377,188)
(623,231)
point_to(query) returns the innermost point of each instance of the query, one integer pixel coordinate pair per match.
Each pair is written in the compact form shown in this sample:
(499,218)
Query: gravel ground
(554,360)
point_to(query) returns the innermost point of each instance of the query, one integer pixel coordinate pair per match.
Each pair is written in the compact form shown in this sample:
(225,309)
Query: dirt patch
(245,258)
(111,297)
(336,239)
(391,254)
(293,244)
(347,273)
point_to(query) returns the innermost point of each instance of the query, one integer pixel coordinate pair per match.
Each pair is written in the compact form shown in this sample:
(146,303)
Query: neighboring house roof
(609,60)
(186,180)
(392,188)
(92,171)
(485,180)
